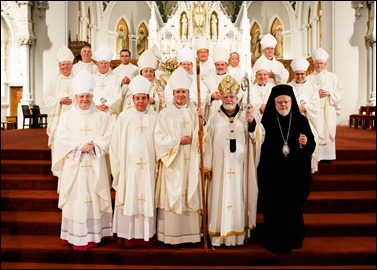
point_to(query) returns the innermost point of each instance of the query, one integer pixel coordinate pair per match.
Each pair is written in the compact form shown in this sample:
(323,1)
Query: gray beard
(284,112)
(229,107)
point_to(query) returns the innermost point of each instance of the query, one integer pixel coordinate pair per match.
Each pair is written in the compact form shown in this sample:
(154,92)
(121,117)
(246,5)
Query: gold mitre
(228,85)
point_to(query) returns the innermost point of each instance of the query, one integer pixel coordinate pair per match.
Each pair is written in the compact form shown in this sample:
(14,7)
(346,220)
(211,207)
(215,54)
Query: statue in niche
(278,34)
(214,26)
(121,38)
(141,42)
(199,17)
(184,25)
(255,44)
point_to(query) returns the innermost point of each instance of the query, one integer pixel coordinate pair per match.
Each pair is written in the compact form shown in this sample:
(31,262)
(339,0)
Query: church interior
(340,214)
(33,31)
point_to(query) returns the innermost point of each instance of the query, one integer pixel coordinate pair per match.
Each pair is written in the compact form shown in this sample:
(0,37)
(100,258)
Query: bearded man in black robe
(284,171)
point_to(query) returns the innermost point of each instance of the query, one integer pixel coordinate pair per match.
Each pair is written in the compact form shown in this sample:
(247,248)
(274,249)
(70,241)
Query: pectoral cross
(87,201)
(86,130)
(86,165)
(141,163)
(261,96)
(231,172)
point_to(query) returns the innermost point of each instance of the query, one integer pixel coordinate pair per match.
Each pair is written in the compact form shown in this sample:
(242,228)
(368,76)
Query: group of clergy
(146,134)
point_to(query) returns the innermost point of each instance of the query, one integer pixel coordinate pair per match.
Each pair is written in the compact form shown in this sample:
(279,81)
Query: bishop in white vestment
(331,93)
(231,156)
(178,196)
(81,142)
(134,169)
(308,101)
(58,96)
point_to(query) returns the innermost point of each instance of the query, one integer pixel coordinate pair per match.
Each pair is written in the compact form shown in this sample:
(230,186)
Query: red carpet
(340,217)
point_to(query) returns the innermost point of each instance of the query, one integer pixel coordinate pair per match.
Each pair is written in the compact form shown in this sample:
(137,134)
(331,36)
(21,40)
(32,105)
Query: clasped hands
(87,147)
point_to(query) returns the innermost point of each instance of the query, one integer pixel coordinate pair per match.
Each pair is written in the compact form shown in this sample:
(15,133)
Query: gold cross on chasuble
(67,91)
(261,95)
(86,165)
(141,163)
(142,127)
(87,201)
(102,85)
(141,198)
(229,206)
(184,122)
(230,173)
(86,130)
(186,158)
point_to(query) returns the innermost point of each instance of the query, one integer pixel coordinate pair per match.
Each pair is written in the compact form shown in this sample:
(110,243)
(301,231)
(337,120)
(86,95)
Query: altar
(193,19)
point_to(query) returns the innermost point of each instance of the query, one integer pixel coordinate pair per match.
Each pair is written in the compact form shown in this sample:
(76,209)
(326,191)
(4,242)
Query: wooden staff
(204,211)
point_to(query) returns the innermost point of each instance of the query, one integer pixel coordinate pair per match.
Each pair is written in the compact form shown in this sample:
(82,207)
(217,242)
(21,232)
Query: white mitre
(180,79)
(299,63)
(268,41)
(65,55)
(220,54)
(140,85)
(103,53)
(83,82)
(147,60)
(320,54)
(186,55)
(201,43)
(262,63)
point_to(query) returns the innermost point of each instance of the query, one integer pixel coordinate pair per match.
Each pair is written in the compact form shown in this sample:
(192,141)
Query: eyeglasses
(283,102)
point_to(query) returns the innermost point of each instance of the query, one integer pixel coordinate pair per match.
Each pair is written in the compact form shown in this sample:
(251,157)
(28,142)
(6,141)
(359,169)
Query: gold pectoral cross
(86,130)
